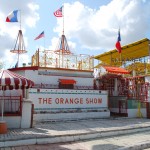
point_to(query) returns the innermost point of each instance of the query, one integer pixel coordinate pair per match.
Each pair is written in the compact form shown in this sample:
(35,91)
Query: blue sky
(91,26)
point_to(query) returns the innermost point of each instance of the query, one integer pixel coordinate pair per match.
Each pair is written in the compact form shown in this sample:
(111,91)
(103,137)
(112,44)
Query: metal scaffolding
(62,58)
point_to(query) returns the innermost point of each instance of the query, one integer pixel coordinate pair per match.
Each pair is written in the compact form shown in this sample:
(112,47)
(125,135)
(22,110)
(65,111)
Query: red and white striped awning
(10,80)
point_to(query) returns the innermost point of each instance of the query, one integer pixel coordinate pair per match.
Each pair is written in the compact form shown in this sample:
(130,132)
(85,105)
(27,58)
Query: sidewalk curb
(74,137)
(140,146)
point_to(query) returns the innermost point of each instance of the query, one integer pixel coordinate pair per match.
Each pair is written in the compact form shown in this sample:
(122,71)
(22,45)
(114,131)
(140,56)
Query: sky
(90,26)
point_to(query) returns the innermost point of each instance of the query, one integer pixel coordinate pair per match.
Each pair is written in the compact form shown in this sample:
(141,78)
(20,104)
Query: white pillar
(26,113)
(134,73)
(26,93)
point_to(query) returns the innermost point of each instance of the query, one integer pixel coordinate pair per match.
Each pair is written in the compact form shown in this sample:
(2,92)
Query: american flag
(39,36)
(58,13)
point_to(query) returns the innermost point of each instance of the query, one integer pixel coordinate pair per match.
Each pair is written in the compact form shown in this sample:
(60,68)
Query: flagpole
(63,33)
(20,19)
(121,49)
(19,39)
(63,19)
(44,48)
(44,40)
(60,13)
(120,59)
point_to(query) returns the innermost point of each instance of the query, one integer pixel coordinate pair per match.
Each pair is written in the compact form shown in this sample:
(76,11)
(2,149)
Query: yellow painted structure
(134,56)
(130,52)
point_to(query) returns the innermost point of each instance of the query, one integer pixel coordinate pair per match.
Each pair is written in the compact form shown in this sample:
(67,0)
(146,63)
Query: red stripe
(7,81)
(13,77)
(7,19)
(18,77)
(13,80)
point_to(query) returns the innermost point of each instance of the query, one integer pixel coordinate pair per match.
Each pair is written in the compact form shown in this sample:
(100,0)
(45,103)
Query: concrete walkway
(69,131)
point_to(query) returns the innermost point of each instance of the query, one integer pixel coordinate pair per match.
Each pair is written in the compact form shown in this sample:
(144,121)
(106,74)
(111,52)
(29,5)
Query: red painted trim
(24,68)
(45,68)
(67,81)
(116,70)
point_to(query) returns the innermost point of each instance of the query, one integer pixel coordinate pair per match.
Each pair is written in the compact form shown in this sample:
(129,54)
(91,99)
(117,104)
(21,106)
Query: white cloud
(97,29)
(55,42)
(31,20)
(9,31)
(9,59)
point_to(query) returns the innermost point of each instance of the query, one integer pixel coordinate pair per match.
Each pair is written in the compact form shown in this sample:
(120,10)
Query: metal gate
(122,107)
(148,109)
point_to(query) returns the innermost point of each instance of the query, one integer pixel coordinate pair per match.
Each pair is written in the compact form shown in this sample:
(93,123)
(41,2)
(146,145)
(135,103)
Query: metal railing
(54,86)
(12,105)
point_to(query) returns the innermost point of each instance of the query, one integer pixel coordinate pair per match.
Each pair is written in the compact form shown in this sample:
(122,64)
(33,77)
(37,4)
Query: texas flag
(118,45)
(12,17)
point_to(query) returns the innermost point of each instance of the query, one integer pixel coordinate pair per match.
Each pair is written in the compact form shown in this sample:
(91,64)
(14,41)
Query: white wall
(72,116)
(132,113)
(26,113)
(147,79)
(21,72)
(52,103)
(23,121)
(50,79)
(13,121)
(50,99)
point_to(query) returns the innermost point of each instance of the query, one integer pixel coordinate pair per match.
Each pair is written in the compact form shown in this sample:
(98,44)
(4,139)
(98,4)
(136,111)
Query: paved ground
(131,141)
(70,131)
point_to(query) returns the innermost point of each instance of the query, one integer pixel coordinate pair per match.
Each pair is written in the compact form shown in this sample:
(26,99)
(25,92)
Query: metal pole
(149,50)
(3,106)
(20,19)
(63,17)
